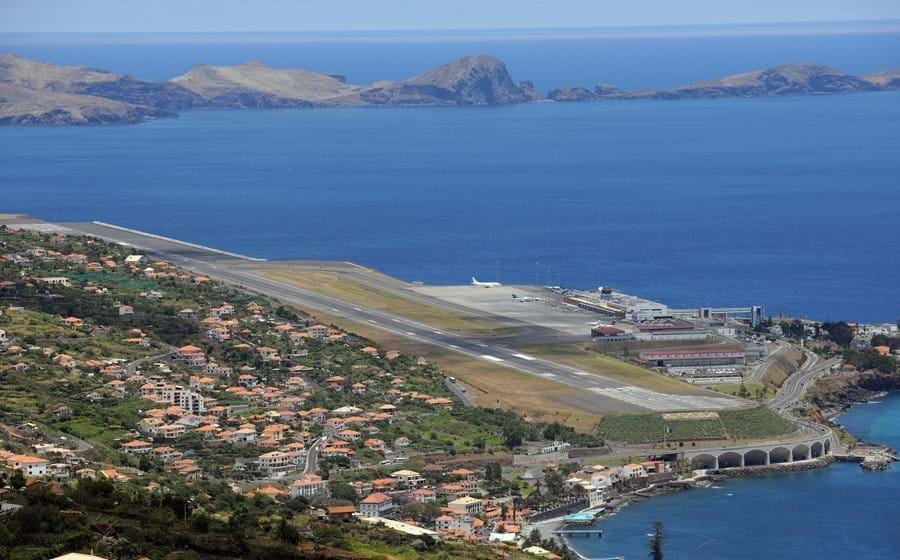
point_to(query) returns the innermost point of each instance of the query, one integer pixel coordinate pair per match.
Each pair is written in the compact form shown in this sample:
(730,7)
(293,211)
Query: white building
(279,462)
(188,400)
(308,486)
(375,505)
(30,466)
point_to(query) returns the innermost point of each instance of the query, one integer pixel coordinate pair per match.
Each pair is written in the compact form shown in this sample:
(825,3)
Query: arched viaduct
(788,451)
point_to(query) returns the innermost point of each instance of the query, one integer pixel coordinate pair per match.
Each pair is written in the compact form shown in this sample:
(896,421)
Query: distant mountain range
(37,93)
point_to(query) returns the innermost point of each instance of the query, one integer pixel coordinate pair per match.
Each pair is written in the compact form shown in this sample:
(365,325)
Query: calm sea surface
(840,512)
(791,203)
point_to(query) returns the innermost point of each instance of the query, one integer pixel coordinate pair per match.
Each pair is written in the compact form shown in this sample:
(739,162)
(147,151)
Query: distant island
(40,94)
(787,79)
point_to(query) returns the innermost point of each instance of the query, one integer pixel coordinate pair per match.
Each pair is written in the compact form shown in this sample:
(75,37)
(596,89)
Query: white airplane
(525,299)
(485,284)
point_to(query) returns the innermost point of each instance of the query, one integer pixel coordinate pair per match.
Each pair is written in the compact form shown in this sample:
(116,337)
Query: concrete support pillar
(717,462)
(768,459)
(742,460)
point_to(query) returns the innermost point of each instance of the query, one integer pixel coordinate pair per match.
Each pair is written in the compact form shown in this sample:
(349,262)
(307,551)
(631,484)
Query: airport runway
(602,394)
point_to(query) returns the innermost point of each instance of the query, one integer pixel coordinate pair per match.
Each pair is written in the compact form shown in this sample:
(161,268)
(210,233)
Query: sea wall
(759,470)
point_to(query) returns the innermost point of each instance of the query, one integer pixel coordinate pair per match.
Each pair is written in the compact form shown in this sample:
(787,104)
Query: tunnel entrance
(730,460)
(800,453)
(756,457)
(779,455)
(703,462)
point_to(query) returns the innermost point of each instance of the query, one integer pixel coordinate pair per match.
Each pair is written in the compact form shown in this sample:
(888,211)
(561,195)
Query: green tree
(17,480)
(656,542)
(200,521)
(840,333)
(554,482)
(342,491)
(287,532)
(493,472)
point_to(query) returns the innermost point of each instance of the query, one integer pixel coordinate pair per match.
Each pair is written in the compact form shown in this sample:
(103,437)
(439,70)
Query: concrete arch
(779,455)
(756,457)
(816,450)
(730,459)
(800,453)
(704,461)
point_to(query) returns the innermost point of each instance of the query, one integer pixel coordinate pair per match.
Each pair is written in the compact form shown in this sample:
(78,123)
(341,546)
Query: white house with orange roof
(408,478)
(192,355)
(317,331)
(29,465)
(137,447)
(278,462)
(309,485)
(376,504)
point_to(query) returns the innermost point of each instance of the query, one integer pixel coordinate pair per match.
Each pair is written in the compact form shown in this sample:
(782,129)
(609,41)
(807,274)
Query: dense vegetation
(125,521)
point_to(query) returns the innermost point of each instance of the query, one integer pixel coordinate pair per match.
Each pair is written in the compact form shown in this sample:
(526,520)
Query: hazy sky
(354,15)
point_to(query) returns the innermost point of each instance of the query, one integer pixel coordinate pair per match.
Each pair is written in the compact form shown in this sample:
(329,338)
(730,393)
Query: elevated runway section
(601,394)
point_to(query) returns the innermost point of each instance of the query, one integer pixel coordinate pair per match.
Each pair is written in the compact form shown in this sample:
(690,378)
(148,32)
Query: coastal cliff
(471,80)
(37,93)
(778,81)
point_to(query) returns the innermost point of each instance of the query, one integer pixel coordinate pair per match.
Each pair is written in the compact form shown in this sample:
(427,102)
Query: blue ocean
(791,203)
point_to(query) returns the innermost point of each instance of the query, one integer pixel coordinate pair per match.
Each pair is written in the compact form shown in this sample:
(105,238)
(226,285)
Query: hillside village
(117,368)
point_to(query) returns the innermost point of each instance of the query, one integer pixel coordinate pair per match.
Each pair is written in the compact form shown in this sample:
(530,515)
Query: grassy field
(787,361)
(334,284)
(753,389)
(593,362)
(491,385)
(754,423)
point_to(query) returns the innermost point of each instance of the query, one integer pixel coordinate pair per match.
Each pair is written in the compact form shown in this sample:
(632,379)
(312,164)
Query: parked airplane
(485,284)
(525,298)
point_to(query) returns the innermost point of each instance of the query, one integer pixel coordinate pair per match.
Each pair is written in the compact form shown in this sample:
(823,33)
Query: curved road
(794,388)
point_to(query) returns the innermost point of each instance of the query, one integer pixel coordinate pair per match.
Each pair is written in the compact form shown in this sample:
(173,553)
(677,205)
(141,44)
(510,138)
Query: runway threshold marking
(491,358)
(525,357)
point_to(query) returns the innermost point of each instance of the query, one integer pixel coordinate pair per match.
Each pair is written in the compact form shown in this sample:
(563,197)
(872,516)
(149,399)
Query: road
(459,389)
(794,388)
(312,456)
(605,395)
(757,374)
